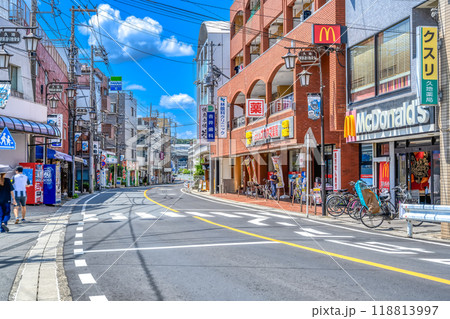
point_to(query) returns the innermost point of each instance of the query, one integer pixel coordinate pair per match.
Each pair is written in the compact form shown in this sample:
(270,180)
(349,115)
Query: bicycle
(339,203)
(368,218)
(403,196)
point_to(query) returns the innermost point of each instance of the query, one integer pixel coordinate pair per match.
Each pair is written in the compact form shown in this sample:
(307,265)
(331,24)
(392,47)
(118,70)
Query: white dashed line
(78,252)
(145,215)
(79,235)
(199,214)
(170,214)
(225,214)
(78,243)
(80,263)
(285,224)
(79,229)
(98,298)
(87,279)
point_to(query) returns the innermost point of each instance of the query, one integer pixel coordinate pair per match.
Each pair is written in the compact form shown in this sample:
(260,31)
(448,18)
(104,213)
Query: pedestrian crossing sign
(6,140)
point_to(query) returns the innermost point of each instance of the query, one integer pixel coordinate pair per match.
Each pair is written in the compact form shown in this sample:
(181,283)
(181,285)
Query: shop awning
(52,154)
(31,127)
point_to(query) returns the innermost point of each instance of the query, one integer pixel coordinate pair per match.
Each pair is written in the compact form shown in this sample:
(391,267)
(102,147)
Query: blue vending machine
(52,184)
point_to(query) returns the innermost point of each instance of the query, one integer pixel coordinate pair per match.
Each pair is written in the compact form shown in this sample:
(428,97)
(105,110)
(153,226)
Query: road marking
(199,214)
(257,221)
(117,216)
(170,214)
(98,298)
(398,247)
(87,279)
(78,243)
(81,223)
(251,215)
(285,224)
(78,252)
(79,235)
(145,215)
(307,234)
(382,248)
(277,215)
(440,261)
(357,260)
(80,263)
(79,228)
(180,247)
(226,215)
(314,231)
(145,194)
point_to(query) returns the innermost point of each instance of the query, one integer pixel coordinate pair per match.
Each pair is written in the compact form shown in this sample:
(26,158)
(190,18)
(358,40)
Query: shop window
(383,149)
(239,62)
(362,70)
(366,164)
(436,180)
(394,66)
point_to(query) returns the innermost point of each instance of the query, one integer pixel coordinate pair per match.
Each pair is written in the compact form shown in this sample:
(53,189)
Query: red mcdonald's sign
(327,34)
(384,176)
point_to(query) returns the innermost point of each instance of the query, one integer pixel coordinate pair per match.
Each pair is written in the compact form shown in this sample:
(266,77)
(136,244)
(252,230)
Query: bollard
(409,228)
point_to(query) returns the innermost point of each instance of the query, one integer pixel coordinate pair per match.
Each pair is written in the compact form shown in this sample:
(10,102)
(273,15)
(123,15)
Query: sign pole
(307,175)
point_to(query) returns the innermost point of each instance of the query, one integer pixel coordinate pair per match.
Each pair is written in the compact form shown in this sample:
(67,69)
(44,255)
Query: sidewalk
(29,254)
(427,231)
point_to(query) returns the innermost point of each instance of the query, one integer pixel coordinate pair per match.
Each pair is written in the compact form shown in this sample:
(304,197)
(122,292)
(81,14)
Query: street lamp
(304,77)
(289,60)
(70,92)
(4,58)
(53,102)
(31,42)
(92,115)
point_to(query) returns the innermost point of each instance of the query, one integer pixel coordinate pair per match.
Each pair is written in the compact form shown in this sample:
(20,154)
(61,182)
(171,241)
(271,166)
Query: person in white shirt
(20,182)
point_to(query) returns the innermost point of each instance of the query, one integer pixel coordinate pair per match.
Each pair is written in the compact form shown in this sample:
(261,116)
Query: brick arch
(252,86)
(274,72)
(235,95)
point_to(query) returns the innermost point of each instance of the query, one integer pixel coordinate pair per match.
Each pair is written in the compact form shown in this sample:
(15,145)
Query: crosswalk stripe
(277,215)
(285,224)
(145,215)
(199,214)
(225,214)
(170,214)
(117,216)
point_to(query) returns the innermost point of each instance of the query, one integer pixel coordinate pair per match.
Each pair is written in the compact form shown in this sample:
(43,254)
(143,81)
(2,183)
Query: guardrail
(425,213)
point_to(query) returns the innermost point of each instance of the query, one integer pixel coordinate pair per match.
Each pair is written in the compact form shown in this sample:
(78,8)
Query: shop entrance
(419,169)
(328,157)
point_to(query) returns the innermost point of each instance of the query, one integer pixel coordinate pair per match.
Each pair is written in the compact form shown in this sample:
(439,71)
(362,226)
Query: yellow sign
(327,31)
(349,126)
(285,130)
(429,53)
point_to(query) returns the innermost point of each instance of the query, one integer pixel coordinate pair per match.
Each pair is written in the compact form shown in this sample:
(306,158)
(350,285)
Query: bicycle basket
(367,197)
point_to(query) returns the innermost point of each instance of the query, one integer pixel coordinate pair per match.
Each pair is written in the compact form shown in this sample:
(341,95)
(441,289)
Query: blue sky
(152,27)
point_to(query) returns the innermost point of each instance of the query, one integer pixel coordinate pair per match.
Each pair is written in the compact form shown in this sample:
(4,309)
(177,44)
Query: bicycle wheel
(370,220)
(390,210)
(353,208)
(336,205)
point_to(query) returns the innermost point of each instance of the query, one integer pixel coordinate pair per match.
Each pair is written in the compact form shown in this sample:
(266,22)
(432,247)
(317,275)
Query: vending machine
(52,184)
(35,174)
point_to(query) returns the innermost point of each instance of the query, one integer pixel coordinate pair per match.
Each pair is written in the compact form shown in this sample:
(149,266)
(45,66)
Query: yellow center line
(145,194)
(357,260)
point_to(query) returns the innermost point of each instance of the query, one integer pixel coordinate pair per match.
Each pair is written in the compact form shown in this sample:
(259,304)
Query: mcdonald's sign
(384,176)
(350,126)
(327,34)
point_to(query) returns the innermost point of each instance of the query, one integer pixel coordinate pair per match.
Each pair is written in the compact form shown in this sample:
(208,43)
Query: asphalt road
(163,244)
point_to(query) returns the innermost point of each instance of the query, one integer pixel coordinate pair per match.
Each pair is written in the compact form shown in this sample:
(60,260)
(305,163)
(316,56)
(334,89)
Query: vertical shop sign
(336,169)
(428,70)
(203,121)
(384,177)
(223,120)
(211,124)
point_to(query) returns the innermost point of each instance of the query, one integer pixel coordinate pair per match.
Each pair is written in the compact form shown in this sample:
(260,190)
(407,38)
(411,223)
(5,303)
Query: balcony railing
(282,104)
(238,122)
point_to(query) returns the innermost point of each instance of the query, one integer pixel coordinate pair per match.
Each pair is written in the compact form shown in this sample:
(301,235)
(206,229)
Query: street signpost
(82,110)
(6,140)
(308,56)
(55,88)
(115,84)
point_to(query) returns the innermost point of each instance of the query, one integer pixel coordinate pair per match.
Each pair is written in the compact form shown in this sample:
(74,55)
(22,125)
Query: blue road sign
(211,126)
(6,140)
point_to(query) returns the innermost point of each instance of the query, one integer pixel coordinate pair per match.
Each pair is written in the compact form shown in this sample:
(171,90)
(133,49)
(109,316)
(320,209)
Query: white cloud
(187,135)
(181,101)
(143,34)
(135,87)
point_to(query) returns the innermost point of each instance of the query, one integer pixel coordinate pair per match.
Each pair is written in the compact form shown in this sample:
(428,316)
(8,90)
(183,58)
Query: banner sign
(279,130)
(327,34)
(115,83)
(223,119)
(336,169)
(56,120)
(314,106)
(84,146)
(255,107)
(254,178)
(277,165)
(428,68)
(5,91)
(384,177)
(10,36)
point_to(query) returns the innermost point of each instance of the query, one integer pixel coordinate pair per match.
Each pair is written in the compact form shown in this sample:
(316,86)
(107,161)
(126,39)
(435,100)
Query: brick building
(260,33)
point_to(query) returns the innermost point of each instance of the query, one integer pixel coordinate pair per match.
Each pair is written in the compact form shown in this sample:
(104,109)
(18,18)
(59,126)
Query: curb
(41,276)
(328,219)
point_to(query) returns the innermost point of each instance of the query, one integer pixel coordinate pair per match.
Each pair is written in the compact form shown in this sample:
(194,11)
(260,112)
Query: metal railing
(238,122)
(282,104)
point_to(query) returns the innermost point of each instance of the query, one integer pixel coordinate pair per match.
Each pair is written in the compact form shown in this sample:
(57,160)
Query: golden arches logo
(384,167)
(327,31)
(349,126)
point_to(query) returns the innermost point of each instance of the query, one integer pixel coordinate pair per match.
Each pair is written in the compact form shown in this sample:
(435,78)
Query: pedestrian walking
(6,195)
(20,182)
(273,183)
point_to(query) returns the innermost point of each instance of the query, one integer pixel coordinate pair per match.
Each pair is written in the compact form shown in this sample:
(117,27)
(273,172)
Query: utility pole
(211,74)
(92,126)
(150,128)
(73,52)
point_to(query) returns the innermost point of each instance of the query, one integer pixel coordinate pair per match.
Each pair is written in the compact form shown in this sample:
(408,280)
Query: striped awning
(31,127)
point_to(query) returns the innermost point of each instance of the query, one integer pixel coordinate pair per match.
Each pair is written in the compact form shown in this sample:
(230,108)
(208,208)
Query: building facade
(387,114)
(255,146)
